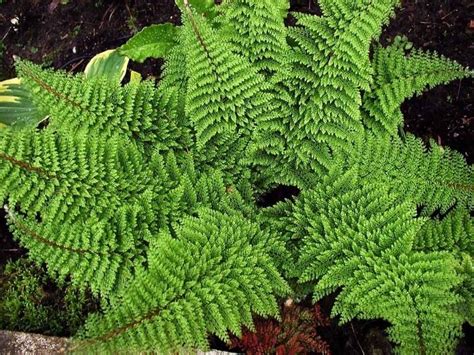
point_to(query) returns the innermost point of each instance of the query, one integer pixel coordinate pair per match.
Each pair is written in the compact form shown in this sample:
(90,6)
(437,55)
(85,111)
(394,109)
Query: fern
(223,114)
(437,178)
(399,75)
(50,180)
(360,241)
(257,31)
(321,87)
(209,278)
(75,103)
(453,232)
(146,193)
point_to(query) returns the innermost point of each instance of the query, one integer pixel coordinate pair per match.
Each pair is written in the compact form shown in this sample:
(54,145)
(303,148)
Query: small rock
(27,343)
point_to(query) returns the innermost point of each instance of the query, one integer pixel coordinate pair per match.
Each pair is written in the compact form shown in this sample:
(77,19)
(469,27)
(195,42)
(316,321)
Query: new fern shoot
(145,193)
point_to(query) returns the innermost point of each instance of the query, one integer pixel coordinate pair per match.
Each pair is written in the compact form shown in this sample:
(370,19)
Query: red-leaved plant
(295,334)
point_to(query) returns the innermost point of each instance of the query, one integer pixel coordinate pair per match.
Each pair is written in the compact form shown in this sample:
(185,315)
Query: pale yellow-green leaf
(16,106)
(135,77)
(109,64)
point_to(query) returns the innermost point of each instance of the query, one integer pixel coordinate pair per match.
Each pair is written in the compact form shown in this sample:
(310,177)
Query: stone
(12,343)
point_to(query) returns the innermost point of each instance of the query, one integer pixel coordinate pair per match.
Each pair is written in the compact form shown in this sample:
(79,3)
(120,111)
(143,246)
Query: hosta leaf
(109,64)
(16,107)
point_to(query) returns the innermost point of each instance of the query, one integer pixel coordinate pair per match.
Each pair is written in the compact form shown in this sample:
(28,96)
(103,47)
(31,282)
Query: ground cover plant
(145,193)
(30,301)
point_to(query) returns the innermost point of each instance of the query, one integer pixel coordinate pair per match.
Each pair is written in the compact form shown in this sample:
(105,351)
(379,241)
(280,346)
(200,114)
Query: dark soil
(66,34)
(446,113)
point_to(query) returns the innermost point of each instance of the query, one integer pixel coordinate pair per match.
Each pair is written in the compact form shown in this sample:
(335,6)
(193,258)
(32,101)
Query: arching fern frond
(97,104)
(225,93)
(82,203)
(435,178)
(209,279)
(398,76)
(453,232)
(348,226)
(59,175)
(257,30)
(360,241)
(416,292)
(98,253)
(319,89)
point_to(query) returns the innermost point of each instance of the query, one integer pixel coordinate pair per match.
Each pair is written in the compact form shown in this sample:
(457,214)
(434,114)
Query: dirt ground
(67,33)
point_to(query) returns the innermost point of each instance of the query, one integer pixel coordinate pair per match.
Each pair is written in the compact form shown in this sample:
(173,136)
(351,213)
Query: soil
(66,34)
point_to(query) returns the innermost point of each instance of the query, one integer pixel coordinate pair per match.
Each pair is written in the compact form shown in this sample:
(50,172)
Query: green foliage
(399,74)
(109,64)
(144,192)
(360,241)
(67,175)
(320,87)
(223,115)
(153,41)
(452,232)
(29,303)
(16,105)
(257,31)
(210,276)
(76,102)
(434,178)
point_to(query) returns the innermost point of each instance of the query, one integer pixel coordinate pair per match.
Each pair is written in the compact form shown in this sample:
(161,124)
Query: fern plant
(146,192)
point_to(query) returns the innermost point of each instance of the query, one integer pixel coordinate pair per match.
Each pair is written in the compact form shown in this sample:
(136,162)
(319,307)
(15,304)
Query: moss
(31,302)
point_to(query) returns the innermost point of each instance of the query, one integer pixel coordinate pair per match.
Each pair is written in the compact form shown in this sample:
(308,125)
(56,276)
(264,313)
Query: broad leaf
(109,64)
(203,7)
(16,107)
(152,42)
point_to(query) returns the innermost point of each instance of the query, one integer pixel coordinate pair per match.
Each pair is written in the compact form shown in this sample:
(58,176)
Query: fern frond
(59,175)
(341,226)
(319,89)
(437,178)
(209,279)
(225,95)
(80,203)
(454,232)
(416,293)
(257,30)
(96,104)
(398,76)
(360,241)
(98,253)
